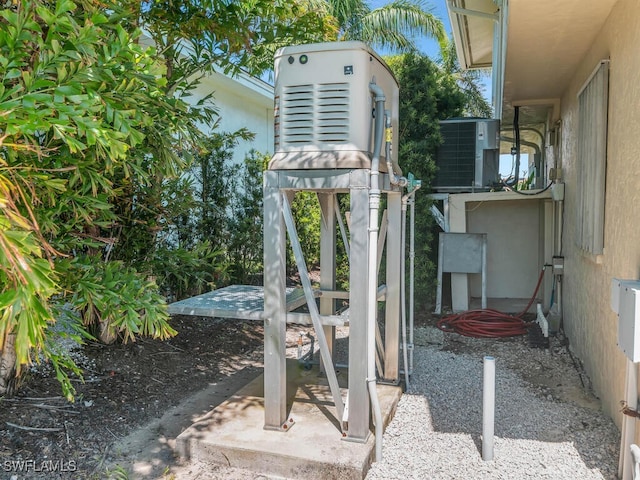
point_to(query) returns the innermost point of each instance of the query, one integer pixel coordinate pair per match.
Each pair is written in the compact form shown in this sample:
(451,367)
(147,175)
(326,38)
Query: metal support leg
(275,372)
(359,406)
(392,310)
(313,309)
(328,261)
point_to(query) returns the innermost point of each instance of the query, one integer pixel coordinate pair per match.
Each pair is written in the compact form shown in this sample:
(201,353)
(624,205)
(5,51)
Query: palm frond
(399,24)
(347,14)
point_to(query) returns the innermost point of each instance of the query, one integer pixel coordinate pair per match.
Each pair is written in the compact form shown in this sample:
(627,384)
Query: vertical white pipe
(488,407)
(628,434)
(635,458)
(403,295)
(408,347)
(372,307)
(412,256)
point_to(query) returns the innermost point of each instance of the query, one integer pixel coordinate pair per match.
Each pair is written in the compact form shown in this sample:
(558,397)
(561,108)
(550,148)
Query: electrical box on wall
(558,265)
(557,191)
(625,301)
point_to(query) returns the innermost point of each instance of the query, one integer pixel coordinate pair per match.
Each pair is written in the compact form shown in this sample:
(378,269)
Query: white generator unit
(324,109)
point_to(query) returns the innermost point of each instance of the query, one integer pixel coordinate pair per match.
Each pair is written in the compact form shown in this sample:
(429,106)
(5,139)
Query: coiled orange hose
(489,323)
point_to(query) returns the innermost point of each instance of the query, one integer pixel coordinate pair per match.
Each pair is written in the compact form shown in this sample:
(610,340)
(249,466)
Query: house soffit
(472,28)
(546,40)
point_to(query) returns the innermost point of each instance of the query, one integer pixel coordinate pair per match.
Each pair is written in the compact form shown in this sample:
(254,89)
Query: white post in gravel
(488,407)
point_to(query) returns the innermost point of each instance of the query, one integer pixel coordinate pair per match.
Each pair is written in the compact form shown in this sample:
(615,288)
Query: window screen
(593,99)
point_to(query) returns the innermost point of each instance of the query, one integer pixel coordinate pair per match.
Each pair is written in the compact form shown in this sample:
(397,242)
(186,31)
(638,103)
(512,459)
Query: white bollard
(488,407)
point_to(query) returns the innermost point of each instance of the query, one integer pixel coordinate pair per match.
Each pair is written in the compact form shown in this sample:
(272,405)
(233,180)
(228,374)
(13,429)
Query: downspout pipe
(516,130)
(372,300)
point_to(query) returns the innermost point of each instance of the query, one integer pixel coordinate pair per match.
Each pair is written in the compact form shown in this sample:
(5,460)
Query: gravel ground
(547,424)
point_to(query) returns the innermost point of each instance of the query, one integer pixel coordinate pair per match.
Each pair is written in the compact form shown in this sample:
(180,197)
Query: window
(593,100)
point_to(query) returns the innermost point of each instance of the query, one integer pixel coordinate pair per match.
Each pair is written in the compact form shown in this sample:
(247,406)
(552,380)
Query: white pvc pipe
(403,295)
(412,256)
(628,434)
(488,407)
(407,362)
(372,297)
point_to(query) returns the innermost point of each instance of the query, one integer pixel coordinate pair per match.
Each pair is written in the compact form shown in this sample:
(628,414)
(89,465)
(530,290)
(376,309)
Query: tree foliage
(245,246)
(82,114)
(93,124)
(213,218)
(469,81)
(427,95)
(196,37)
(394,26)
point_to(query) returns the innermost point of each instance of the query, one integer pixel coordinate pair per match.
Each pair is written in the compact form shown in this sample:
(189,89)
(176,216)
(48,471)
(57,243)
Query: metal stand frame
(279,188)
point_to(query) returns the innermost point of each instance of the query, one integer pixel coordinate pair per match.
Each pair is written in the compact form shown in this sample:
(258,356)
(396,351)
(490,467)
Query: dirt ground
(126,387)
(138,397)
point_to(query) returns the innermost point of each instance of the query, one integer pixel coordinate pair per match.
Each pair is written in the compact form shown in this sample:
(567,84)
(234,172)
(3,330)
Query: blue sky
(430,46)
(439,9)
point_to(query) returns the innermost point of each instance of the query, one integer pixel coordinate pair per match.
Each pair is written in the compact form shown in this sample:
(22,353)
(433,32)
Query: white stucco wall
(516,247)
(513,246)
(242,102)
(588,320)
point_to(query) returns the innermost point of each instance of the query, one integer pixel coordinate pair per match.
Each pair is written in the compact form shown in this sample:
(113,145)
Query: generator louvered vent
(315,114)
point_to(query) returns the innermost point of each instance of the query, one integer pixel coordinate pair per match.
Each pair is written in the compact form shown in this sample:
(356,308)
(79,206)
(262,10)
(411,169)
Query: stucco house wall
(242,102)
(589,322)
(514,255)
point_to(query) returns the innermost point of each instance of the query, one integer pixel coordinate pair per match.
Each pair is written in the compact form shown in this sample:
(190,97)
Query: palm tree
(394,26)
(468,81)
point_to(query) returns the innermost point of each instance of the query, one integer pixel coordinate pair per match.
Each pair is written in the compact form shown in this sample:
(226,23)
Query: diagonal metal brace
(313,308)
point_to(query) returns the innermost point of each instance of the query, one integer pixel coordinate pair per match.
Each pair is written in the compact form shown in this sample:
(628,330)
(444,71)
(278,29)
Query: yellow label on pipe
(389,134)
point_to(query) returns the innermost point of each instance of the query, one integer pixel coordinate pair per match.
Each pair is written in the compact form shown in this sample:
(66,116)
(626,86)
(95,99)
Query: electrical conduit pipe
(372,306)
(412,256)
(400,181)
(394,179)
(403,300)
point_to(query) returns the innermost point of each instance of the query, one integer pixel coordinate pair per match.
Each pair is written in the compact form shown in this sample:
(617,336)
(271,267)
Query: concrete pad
(313,448)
